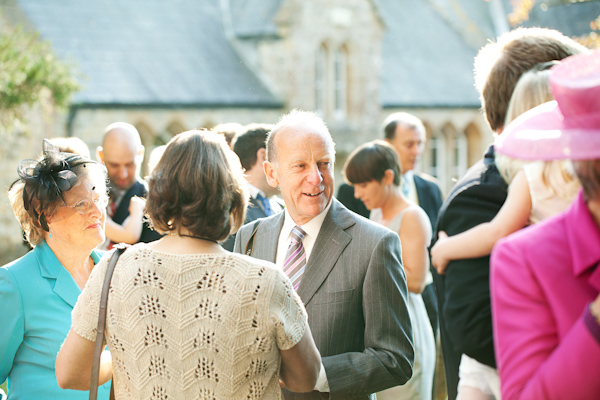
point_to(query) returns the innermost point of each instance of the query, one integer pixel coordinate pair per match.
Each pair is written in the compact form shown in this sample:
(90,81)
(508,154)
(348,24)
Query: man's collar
(254,191)
(311,228)
(409,176)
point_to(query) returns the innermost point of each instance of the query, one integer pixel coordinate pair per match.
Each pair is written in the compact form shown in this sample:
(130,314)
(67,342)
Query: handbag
(120,248)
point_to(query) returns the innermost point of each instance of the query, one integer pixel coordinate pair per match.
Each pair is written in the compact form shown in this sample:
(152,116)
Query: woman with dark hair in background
(374,171)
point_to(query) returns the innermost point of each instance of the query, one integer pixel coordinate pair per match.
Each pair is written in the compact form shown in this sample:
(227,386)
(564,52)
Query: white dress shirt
(409,177)
(312,229)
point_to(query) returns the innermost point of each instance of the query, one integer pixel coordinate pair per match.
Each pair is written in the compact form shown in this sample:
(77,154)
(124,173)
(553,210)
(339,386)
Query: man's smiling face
(303,171)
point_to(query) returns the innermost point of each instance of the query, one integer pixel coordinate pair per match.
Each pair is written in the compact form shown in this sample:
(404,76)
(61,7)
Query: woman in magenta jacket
(546,278)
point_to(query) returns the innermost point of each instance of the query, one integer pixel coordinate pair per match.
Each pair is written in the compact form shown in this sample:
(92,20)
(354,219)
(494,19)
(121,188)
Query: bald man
(122,154)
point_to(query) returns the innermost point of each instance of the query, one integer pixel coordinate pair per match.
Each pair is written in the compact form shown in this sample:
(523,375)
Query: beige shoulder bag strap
(102,324)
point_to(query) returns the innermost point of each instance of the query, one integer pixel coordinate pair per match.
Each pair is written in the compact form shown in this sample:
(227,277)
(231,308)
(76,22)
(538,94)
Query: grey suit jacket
(254,211)
(354,291)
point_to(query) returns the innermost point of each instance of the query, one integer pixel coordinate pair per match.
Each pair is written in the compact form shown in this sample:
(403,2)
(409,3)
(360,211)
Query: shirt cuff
(322,384)
(591,323)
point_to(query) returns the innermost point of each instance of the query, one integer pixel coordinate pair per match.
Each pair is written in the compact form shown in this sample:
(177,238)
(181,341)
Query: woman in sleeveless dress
(374,171)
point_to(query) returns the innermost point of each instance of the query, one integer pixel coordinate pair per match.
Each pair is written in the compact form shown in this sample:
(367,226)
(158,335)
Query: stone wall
(23,141)
(289,63)
(157,126)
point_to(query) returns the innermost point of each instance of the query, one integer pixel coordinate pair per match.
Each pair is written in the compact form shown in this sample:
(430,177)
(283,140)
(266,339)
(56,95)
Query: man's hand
(439,257)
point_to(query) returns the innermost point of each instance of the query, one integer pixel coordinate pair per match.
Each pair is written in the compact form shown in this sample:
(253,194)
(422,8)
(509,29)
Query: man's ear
(140,154)
(261,155)
(100,154)
(271,174)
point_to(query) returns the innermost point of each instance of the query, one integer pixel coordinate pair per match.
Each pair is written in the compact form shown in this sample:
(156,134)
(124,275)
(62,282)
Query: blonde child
(538,189)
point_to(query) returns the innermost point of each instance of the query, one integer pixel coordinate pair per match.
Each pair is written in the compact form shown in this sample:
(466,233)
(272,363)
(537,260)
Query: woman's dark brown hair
(369,162)
(197,185)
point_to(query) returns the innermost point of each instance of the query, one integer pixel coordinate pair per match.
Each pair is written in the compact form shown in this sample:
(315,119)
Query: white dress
(420,385)
(550,193)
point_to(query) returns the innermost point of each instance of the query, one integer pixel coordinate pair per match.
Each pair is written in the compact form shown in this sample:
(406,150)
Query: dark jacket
(463,292)
(138,189)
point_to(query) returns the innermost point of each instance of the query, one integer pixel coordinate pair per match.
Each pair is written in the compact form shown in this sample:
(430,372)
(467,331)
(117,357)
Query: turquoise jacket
(37,295)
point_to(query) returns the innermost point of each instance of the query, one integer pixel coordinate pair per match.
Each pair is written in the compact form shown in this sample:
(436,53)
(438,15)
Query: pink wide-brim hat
(568,128)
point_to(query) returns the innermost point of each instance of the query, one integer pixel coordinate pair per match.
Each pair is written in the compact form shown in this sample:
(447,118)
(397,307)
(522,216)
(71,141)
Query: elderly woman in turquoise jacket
(60,202)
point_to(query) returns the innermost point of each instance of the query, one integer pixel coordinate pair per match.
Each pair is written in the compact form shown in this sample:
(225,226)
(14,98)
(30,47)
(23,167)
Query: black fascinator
(47,179)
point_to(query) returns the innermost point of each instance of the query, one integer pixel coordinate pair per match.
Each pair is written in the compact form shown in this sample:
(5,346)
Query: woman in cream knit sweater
(186,319)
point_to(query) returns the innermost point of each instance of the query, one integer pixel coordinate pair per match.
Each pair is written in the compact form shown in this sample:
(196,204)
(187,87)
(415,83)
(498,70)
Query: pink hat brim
(541,134)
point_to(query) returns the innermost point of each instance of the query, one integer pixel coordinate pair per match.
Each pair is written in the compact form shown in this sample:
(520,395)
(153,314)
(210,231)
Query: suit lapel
(421,195)
(329,245)
(51,269)
(267,237)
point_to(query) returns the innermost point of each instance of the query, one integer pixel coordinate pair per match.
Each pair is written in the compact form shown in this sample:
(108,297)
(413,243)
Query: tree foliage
(30,73)
(522,9)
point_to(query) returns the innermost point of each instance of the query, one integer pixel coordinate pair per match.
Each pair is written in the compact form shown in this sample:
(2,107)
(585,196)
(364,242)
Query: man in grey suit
(250,147)
(347,270)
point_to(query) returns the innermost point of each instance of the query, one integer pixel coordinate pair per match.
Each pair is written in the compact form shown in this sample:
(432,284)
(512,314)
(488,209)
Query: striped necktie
(295,258)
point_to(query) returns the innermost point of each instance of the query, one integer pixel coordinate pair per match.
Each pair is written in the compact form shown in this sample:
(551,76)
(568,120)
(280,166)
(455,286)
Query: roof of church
(426,61)
(254,18)
(149,52)
(179,53)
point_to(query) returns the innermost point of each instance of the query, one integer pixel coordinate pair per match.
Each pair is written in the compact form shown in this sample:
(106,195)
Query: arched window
(148,136)
(173,129)
(321,81)
(436,149)
(340,69)
(457,149)
(473,135)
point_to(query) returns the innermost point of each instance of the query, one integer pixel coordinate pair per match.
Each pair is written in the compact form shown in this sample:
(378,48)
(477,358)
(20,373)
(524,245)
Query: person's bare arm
(479,241)
(415,236)
(131,230)
(74,363)
(300,365)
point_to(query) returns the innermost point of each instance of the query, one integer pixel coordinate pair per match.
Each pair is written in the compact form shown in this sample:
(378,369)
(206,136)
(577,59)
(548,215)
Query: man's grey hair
(294,118)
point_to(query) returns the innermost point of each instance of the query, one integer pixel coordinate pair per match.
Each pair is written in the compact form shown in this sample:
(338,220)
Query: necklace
(192,236)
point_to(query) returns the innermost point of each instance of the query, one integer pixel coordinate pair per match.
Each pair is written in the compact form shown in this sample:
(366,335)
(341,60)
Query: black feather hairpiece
(47,179)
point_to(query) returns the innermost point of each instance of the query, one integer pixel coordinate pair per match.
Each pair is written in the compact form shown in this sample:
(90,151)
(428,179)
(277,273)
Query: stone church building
(170,66)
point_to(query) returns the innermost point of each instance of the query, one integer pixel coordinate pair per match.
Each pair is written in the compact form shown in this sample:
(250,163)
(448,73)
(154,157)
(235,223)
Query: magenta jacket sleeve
(539,355)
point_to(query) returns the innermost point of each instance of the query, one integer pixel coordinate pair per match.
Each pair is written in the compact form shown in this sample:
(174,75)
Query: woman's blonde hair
(31,227)
(533,89)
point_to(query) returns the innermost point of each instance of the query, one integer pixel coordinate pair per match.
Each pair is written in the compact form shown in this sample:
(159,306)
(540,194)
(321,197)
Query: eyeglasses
(85,205)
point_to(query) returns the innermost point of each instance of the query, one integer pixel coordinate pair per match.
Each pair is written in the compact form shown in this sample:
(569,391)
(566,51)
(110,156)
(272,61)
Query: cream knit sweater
(203,326)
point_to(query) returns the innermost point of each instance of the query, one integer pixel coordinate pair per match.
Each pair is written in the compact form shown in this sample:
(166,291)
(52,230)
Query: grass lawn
(3,387)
